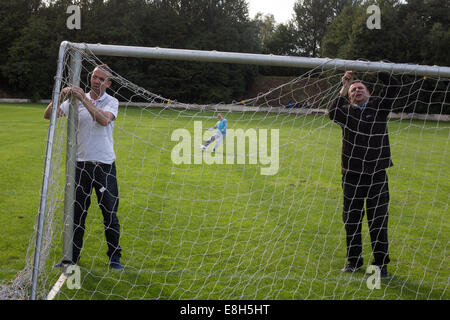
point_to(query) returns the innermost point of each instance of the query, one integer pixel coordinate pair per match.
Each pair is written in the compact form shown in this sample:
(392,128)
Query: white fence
(241,108)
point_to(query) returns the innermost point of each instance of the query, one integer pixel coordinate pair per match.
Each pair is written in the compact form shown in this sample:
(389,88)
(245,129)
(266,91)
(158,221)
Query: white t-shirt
(94,141)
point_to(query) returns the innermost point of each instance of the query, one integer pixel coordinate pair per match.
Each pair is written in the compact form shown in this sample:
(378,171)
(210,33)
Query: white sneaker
(202,147)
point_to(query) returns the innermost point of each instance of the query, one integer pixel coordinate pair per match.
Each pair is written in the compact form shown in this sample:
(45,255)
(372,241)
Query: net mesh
(212,226)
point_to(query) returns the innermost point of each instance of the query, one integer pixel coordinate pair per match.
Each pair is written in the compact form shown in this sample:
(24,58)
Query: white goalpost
(261,218)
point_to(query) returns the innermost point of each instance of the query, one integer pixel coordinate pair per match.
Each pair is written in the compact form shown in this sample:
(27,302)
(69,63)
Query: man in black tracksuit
(365,157)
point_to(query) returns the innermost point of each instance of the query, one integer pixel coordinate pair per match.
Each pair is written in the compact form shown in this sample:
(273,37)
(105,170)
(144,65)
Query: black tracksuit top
(365,140)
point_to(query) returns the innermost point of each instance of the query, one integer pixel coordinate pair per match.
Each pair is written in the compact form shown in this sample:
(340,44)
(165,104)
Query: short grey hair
(105,68)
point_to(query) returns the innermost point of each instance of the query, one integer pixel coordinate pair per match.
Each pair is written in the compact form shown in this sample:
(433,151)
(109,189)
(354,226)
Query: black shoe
(384,274)
(350,268)
(114,263)
(63,263)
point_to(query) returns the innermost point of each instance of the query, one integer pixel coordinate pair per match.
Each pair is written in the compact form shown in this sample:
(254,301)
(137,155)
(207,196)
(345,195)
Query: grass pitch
(225,231)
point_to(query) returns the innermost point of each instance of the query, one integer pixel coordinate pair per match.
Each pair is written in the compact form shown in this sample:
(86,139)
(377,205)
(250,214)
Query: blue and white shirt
(221,126)
(362,106)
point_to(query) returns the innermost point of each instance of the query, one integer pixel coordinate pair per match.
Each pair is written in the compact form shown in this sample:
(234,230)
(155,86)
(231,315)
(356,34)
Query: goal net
(262,216)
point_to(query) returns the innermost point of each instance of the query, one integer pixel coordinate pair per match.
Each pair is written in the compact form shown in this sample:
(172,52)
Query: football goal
(261,215)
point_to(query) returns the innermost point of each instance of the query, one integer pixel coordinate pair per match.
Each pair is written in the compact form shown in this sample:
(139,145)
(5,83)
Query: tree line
(412,31)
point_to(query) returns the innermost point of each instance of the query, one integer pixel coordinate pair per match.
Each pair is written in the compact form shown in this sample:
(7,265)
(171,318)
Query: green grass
(225,231)
(23,133)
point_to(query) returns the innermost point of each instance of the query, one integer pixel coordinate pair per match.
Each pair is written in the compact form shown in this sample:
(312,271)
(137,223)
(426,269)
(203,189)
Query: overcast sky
(281,9)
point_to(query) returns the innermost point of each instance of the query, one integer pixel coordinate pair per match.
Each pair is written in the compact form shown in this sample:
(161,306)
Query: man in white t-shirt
(96,167)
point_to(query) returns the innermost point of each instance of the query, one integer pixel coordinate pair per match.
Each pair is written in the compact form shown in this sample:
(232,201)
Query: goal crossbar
(258,59)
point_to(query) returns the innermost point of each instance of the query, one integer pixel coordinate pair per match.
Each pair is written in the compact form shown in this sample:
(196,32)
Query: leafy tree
(35,30)
(282,40)
(336,42)
(437,44)
(266,26)
(376,44)
(206,25)
(312,18)
(421,23)
(408,34)
(14,15)
(28,67)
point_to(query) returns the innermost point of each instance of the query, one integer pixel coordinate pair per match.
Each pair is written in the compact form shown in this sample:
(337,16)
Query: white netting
(201,229)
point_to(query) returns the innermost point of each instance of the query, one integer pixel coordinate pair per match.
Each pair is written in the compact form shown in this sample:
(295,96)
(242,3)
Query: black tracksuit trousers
(101,177)
(372,191)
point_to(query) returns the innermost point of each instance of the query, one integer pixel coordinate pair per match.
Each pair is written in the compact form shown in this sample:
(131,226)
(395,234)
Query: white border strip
(58,285)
